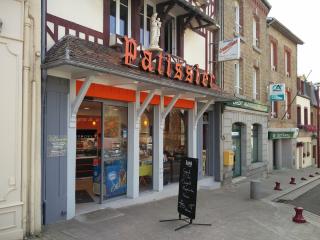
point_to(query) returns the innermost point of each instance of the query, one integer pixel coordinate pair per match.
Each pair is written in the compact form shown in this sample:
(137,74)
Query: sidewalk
(232,215)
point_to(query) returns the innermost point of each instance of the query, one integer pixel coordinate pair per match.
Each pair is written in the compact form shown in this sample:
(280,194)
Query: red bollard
(311,175)
(277,187)
(298,218)
(293,180)
(303,179)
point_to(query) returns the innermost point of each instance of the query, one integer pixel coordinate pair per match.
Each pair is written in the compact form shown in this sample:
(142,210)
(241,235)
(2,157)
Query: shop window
(274,56)
(118,20)
(255,129)
(255,32)
(175,144)
(287,63)
(306,116)
(145,24)
(298,115)
(146,150)
(169,36)
(311,118)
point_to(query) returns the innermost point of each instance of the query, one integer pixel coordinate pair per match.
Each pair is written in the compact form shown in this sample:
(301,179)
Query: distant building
(282,69)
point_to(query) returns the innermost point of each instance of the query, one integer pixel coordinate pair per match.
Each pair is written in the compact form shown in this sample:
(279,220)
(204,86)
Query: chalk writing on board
(188,187)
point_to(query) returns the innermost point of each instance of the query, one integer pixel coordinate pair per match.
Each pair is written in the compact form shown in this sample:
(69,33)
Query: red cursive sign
(165,66)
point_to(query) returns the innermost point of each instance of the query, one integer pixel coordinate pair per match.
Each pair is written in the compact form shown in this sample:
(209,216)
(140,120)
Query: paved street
(229,210)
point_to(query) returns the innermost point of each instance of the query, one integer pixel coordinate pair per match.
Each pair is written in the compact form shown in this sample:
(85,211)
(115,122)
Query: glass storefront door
(115,145)
(236,147)
(146,150)
(174,144)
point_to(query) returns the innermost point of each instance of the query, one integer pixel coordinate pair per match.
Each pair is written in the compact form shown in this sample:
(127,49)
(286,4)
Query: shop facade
(245,132)
(283,129)
(119,116)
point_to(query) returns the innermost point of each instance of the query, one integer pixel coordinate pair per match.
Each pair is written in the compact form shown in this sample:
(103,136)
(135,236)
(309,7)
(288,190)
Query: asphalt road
(310,201)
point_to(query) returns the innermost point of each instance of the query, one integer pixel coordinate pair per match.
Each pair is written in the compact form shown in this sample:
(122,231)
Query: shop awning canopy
(81,58)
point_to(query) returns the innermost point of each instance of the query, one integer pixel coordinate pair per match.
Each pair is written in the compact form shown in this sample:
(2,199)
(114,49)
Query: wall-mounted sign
(229,50)
(277,92)
(57,146)
(281,135)
(166,65)
(248,105)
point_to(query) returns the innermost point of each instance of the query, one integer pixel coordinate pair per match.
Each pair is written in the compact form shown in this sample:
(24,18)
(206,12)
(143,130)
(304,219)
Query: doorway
(102,134)
(205,145)
(236,147)
(88,151)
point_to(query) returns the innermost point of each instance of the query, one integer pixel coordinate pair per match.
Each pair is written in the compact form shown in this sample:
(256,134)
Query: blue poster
(116,180)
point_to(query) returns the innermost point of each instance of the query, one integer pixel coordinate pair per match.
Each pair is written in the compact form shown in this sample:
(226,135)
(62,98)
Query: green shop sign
(281,135)
(248,105)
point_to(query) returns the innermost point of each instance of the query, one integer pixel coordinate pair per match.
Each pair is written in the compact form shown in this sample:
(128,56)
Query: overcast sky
(302,18)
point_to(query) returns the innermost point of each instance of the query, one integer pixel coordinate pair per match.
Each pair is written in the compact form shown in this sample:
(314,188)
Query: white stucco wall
(88,13)
(194,48)
(304,103)
(307,161)
(11,53)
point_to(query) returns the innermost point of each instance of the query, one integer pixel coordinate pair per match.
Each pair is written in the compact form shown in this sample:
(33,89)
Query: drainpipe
(318,129)
(25,117)
(29,192)
(43,94)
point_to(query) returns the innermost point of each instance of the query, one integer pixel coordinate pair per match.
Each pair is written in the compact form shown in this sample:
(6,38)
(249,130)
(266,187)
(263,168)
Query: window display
(175,144)
(146,150)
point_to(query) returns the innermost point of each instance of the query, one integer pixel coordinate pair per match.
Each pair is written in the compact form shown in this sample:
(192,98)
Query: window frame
(274,55)
(305,116)
(287,61)
(255,31)
(145,19)
(299,122)
(118,4)
(288,104)
(254,83)
(237,84)
(237,22)
(174,35)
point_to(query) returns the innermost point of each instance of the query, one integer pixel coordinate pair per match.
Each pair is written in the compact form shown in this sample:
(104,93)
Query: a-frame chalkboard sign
(187,198)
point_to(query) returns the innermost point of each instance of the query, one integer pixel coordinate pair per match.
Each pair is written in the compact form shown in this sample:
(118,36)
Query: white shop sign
(229,50)
(277,92)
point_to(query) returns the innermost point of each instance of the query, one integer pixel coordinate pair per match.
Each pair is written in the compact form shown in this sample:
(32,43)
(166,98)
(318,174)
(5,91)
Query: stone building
(306,122)
(282,69)
(245,121)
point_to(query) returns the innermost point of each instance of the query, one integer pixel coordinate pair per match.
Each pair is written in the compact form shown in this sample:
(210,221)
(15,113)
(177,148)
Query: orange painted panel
(127,95)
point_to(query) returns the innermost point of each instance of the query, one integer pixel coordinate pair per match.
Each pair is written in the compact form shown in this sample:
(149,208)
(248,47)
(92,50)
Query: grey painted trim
(163,81)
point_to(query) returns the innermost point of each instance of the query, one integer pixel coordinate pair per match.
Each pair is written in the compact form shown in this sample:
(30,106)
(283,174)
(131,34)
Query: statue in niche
(155,33)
